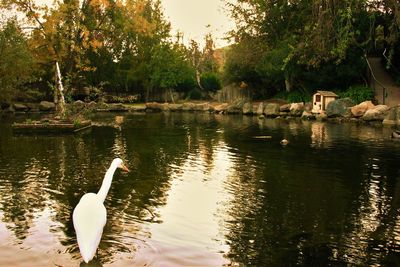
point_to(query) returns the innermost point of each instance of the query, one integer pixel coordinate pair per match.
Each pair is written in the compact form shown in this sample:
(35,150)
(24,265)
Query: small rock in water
(262,137)
(396,134)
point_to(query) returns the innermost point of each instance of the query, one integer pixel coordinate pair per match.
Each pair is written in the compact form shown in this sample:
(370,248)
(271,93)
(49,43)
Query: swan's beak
(124,168)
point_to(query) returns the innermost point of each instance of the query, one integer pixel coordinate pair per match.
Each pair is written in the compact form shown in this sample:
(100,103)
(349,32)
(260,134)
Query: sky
(193,16)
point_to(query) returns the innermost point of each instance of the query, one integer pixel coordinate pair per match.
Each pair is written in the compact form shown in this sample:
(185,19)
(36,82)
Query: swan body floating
(90,215)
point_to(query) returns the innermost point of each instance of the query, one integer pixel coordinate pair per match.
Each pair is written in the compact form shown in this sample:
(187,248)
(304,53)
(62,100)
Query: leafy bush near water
(194,94)
(294,96)
(210,81)
(358,93)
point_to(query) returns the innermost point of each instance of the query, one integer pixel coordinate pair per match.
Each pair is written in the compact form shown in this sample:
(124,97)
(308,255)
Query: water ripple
(203,191)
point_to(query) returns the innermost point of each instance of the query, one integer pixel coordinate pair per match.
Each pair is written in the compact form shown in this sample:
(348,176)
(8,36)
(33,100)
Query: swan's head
(120,164)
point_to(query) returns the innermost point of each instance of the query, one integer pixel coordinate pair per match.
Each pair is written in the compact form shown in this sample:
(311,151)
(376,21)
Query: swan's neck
(105,186)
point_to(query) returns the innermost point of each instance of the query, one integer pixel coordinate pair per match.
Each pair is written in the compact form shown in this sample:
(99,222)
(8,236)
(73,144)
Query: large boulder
(308,106)
(101,106)
(175,107)
(308,115)
(137,108)
(47,106)
(188,106)
(260,108)
(393,116)
(202,107)
(247,108)
(272,110)
(285,107)
(378,113)
(91,106)
(33,107)
(221,108)
(153,106)
(165,107)
(360,109)
(236,107)
(117,108)
(78,106)
(296,109)
(20,107)
(339,108)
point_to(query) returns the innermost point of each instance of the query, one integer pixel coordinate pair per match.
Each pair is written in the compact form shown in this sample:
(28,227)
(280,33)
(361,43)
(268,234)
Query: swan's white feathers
(90,215)
(89,218)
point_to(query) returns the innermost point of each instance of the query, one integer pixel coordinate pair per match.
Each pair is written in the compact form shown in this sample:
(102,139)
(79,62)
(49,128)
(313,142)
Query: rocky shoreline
(340,110)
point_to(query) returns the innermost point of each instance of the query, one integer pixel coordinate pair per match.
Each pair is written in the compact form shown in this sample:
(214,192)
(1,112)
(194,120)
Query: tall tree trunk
(172,95)
(59,100)
(198,79)
(288,82)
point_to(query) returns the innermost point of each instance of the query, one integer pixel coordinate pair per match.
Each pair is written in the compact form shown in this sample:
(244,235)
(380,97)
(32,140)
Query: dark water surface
(204,191)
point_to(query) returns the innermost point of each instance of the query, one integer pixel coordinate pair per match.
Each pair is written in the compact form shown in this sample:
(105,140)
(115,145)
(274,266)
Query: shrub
(210,81)
(294,96)
(194,94)
(358,93)
(29,95)
(17,62)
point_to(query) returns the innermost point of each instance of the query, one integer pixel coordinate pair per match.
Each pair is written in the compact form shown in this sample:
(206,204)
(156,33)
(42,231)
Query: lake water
(205,190)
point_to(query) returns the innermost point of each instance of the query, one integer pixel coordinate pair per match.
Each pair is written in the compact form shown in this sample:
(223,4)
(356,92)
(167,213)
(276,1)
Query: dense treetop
(126,47)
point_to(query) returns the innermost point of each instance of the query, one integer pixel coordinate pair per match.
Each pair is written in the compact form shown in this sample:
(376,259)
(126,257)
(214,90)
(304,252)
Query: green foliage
(304,44)
(294,96)
(170,69)
(16,61)
(194,94)
(241,61)
(208,62)
(271,66)
(29,95)
(129,99)
(210,81)
(358,93)
(126,48)
(96,42)
(331,76)
(77,123)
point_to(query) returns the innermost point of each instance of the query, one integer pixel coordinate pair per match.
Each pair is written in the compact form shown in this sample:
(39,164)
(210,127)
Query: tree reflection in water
(203,191)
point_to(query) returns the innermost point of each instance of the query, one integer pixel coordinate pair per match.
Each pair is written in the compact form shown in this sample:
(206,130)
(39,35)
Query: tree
(208,60)
(204,62)
(65,32)
(16,61)
(171,68)
(98,42)
(210,81)
(387,23)
(143,28)
(298,36)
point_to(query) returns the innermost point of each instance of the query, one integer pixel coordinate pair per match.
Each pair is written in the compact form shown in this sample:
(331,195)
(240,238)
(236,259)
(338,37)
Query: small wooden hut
(321,100)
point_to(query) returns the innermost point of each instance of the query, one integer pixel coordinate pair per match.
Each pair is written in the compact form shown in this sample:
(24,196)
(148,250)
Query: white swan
(90,215)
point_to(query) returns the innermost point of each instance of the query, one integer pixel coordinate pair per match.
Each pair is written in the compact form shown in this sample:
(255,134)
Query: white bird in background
(284,142)
(90,215)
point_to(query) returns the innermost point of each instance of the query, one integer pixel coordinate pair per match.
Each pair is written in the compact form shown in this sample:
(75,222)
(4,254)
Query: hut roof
(327,93)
